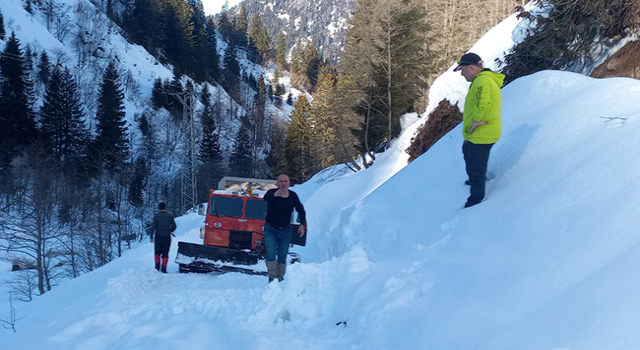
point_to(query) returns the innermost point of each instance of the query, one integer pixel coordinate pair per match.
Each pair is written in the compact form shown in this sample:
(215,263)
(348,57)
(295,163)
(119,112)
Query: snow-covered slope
(82,38)
(323,22)
(548,261)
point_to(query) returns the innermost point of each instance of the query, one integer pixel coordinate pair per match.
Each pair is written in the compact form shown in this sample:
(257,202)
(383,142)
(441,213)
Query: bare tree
(11,323)
(31,231)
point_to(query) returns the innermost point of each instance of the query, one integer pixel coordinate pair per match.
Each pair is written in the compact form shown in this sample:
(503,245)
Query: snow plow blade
(200,258)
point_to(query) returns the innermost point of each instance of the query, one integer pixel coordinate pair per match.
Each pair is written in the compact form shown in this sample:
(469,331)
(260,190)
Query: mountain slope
(324,22)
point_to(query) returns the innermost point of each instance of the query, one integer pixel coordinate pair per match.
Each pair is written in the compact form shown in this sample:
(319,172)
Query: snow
(213,7)
(548,261)
(284,16)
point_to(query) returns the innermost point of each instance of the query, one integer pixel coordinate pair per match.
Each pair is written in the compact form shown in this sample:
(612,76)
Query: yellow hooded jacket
(483,103)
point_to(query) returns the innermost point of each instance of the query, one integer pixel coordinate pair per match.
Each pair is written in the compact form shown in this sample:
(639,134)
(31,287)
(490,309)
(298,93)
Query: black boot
(158,267)
(164,269)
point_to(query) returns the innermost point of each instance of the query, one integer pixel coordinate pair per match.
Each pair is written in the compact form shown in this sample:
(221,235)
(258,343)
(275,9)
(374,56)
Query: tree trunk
(101,250)
(39,251)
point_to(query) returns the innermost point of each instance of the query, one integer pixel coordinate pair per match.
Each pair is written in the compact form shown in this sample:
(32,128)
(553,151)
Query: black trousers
(476,158)
(162,245)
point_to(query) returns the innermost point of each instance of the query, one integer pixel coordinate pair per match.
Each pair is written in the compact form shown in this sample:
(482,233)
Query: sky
(212,7)
(549,261)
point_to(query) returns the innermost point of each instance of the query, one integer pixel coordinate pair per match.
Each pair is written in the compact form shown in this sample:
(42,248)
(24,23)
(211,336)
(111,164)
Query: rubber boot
(158,267)
(165,261)
(282,269)
(272,269)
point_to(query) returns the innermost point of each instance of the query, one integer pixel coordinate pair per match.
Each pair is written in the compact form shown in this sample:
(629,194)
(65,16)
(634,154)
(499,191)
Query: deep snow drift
(548,261)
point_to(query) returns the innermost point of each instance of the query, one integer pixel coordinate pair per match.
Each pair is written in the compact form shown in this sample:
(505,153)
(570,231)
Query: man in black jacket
(162,227)
(277,229)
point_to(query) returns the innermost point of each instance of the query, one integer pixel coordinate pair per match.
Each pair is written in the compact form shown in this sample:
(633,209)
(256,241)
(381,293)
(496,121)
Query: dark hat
(468,59)
(162,206)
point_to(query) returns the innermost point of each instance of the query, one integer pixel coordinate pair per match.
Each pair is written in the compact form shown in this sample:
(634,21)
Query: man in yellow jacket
(481,121)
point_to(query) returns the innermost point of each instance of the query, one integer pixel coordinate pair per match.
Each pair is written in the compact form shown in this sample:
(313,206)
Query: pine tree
(565,36)
(297,66)
(312,65)
(213,58)
(211,169)
(157,94)
(299,151)
(387,54)
(241,161)
(111,145)
(137,184)
(349,123)
(28,59)
(178,36)
(281,51)
(325,116)
(224,26)
(260,37)
(225,6)
(142,24)
(231,68)
(16,101)
(44,69)
(2,32)
(240,27)
(261,97)
(210,145)
(149,148)
(306,62)
(277,157)
(172,103)
(278,89)
(62,117)
(200,58)
(258,118)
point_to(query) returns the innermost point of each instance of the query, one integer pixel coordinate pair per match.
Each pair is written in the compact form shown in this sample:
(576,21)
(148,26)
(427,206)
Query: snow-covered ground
(548,262)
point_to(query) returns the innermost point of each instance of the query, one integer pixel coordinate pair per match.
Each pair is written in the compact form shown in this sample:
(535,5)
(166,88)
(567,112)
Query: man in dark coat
(162,227)
(277,228)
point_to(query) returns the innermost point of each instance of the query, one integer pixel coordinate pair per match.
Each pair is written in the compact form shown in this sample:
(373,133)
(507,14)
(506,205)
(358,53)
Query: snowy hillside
(548,261)
(323,22)
(79,21)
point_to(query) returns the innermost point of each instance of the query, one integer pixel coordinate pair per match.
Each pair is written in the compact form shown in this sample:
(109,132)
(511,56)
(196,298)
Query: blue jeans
(476,158)
(277,240)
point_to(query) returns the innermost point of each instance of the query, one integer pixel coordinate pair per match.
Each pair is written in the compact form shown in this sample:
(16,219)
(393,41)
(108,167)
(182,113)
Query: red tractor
(233,232)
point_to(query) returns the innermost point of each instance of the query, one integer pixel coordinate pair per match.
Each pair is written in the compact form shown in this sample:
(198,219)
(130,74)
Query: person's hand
(281,193)
(301,230)
(151,239)
(474,125)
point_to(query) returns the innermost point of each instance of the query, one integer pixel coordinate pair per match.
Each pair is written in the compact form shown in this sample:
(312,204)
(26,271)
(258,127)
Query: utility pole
(188,199)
